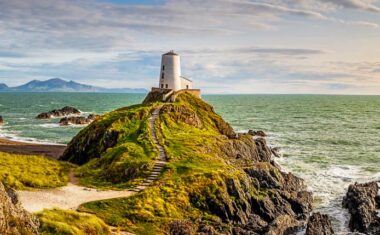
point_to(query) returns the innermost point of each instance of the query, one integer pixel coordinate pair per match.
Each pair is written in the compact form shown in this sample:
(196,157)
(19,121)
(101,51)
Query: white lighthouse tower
(170,75)
(171,83)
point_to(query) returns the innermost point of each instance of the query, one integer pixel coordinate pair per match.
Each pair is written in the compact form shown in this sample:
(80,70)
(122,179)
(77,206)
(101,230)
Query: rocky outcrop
(13,218)
(65,111)
(319,224)
(226,183)
(78,120)
(257,133)
(361,201)
(1,120)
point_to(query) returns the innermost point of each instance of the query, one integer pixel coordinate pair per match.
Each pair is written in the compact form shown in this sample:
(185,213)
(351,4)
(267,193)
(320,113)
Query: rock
(206,229)
(283,224)
(181,227)
(319,224)
(360,201)
(275,151)
(65,111)
(13,218)
(1,120)
(93,116)
(78,120)
(257,133)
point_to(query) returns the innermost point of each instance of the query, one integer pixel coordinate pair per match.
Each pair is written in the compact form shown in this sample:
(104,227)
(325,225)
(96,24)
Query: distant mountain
(59,85)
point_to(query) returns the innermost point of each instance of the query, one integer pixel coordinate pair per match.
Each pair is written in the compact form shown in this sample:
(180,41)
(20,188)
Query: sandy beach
(18,147)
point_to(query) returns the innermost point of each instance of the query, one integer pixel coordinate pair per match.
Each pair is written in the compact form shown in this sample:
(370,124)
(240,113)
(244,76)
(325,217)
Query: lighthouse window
(166,85)
(162,85)
(162,76)
(163,67)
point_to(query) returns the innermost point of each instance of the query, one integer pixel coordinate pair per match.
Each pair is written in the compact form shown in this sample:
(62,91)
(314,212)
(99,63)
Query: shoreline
(31,148)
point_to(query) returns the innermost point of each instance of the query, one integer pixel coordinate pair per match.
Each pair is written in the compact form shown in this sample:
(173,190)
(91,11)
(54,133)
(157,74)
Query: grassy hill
(215,181)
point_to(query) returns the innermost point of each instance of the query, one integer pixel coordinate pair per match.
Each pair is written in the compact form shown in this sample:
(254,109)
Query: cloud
(368,5)
(278,42)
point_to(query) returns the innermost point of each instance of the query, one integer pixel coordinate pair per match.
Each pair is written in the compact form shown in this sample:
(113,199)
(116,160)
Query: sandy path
(67,197)
(72,195)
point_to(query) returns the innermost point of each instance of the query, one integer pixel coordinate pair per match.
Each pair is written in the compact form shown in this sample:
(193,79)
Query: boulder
(13,218)
(65,111)
(78,120)
(360,201)
(319,224)
(257,133)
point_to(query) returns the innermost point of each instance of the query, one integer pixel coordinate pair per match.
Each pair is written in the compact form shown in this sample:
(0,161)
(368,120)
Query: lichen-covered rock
(319,224)
(65,111)
(13,218)
(361,202)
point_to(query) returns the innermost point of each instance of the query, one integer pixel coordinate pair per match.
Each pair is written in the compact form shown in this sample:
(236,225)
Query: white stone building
(170,76)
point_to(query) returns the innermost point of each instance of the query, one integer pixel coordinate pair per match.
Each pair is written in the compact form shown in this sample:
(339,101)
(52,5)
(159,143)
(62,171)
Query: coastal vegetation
(32,171)
(214,178)
(67,222)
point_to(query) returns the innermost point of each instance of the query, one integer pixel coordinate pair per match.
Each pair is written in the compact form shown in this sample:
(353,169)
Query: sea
(330,141)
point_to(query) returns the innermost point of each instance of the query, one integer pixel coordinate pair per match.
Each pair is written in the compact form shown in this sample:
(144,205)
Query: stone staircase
(160,163)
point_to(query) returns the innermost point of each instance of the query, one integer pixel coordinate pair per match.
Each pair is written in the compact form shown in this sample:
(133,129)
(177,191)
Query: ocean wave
(15,137)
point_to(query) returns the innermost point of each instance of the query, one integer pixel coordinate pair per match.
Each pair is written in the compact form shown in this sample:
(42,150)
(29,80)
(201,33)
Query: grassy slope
(27,171)
(64,222)
(134,150)
(196,172)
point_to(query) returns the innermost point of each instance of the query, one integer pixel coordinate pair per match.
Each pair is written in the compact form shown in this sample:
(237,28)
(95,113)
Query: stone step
(140,187)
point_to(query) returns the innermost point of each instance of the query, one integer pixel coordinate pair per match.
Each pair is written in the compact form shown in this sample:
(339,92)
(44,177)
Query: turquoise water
(330,141)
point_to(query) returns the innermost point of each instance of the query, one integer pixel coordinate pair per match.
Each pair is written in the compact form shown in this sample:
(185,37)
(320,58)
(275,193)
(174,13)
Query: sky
(226,46)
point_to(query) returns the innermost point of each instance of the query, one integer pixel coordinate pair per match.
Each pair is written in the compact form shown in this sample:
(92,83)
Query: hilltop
(215,181)
(59,85)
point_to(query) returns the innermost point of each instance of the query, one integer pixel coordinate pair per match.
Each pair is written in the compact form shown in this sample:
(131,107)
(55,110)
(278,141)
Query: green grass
(65,222)
(29,171)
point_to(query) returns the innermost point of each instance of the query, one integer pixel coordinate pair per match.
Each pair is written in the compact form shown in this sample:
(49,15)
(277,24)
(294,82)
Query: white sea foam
(15,137)
(50,125)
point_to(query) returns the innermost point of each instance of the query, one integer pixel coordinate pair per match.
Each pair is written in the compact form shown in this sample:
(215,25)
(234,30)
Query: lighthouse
(171,82)
(170,74)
